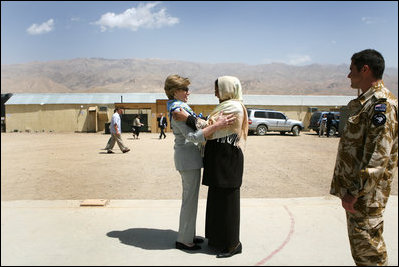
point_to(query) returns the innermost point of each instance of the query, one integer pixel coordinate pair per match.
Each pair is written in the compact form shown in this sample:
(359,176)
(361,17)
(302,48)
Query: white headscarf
(230,95)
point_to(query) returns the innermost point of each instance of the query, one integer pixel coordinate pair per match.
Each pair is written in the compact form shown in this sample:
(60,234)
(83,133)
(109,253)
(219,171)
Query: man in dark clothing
(330,118)
(162,123)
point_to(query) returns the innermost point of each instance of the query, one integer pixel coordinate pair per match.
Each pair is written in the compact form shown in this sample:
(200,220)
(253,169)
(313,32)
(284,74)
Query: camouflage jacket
(368,149)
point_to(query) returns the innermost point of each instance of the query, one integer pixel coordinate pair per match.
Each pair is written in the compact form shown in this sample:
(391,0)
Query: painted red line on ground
(287,239)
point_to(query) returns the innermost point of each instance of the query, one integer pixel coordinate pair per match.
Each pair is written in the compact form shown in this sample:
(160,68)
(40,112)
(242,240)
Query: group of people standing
(215,145)
(366,159)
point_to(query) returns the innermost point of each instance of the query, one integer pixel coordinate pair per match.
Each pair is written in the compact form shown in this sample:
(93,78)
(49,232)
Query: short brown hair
(373,59)
(173,83)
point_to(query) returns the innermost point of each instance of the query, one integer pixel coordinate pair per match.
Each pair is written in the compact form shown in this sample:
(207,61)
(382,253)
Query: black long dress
(223,170)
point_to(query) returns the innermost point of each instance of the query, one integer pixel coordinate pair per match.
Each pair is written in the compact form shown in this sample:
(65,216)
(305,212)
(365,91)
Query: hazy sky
(296,33)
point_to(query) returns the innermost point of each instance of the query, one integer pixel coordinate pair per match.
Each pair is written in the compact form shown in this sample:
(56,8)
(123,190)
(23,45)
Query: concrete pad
(94,202)
(296,231)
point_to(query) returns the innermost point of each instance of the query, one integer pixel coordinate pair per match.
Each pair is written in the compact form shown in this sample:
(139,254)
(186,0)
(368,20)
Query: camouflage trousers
(366,240)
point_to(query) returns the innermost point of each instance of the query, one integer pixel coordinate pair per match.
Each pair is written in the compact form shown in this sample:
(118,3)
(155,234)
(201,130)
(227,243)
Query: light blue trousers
(188,212)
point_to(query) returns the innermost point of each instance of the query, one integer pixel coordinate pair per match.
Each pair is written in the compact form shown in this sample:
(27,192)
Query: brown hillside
(147,75)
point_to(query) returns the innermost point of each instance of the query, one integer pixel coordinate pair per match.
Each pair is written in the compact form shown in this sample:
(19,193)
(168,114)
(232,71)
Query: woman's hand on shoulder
(224,121)
(180,114)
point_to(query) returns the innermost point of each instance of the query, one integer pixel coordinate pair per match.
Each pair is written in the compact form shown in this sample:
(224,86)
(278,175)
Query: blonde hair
(173,83)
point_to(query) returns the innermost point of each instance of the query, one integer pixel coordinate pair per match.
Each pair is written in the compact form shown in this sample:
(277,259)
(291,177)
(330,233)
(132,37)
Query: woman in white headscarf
(223,169)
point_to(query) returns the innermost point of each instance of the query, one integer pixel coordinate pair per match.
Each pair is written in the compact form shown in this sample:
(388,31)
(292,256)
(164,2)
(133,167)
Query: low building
(81,112)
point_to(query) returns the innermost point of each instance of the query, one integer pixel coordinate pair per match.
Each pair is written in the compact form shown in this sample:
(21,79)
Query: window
(276,115)
(260,114)
(103,108)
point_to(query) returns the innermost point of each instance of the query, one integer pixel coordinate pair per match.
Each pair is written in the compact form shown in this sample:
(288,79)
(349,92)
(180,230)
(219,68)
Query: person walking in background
(323,125)
(187,158)
(162,123)
(137,125)
(116,131)
(366,159)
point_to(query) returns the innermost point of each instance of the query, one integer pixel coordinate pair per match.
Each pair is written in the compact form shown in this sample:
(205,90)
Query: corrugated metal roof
(194,99)
(83,98)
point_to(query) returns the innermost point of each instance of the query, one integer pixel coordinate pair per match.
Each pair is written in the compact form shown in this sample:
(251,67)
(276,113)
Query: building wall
(78,118)
(56,118)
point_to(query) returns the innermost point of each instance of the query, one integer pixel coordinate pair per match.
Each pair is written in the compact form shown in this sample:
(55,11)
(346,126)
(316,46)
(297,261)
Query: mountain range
(99,75)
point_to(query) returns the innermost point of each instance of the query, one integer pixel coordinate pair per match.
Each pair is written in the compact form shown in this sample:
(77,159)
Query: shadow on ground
(153,239)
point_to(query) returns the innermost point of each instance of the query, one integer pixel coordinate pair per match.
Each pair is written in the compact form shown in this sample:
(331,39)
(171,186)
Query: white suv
(262,121)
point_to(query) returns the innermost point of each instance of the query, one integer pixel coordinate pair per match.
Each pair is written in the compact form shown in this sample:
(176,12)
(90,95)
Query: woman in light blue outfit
(187,158)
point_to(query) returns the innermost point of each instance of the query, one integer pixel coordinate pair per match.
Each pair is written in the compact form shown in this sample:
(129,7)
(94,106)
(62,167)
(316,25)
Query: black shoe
(110,152)
(185,247)
(126,150)
(198,240)
(226,253)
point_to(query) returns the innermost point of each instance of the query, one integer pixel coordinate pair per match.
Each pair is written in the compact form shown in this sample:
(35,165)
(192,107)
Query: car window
(278,116)
(269,115)
(260,114)
(316,116)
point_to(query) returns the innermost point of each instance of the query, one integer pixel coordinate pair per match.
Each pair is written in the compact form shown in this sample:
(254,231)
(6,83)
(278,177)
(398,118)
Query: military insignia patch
(380,107)
(379,119)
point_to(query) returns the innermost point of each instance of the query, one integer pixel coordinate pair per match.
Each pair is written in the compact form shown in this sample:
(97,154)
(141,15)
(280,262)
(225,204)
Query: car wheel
(333,131)
(261,130)
(282,133)
(296,130)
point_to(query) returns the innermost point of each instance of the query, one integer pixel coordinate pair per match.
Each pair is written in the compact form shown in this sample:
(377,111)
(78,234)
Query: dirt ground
(50,166)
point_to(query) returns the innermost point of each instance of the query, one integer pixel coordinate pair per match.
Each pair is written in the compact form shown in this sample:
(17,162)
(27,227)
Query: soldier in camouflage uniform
(367,158)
